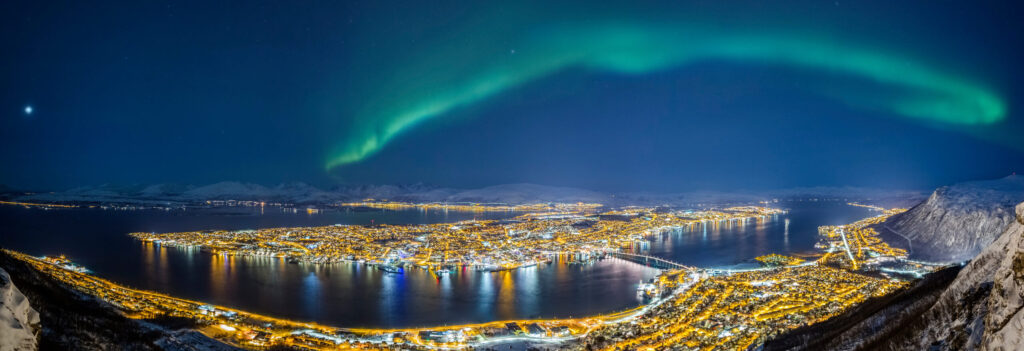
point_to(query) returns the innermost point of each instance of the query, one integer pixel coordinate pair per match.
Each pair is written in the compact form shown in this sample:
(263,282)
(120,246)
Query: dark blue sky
(147,92)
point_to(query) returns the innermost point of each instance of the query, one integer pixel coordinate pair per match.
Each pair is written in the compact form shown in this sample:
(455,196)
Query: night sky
(659,96)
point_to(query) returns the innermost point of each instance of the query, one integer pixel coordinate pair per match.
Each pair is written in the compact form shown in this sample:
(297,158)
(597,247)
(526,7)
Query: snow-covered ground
(18,321)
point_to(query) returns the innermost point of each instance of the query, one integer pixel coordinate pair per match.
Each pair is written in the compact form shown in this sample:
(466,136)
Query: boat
(391,269)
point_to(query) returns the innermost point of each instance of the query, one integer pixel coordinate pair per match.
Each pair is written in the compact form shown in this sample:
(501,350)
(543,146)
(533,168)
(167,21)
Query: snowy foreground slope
(956,222)
(18,321)
(1004,325)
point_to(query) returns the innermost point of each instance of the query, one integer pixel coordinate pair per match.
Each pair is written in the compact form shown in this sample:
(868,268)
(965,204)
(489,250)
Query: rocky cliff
(18,321)
(956,222)
(1004,324)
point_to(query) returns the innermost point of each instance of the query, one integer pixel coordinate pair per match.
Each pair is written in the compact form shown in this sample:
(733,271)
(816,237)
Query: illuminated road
(846,244)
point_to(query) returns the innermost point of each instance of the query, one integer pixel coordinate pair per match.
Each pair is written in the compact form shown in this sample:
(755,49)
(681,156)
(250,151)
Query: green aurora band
(920,91)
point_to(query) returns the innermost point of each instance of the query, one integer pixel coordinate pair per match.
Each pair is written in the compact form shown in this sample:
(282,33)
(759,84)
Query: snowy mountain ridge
(956,222)
(302,193)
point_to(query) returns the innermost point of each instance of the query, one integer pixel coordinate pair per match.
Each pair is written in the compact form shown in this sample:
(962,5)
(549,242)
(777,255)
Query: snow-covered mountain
(302,193)
(229,191)
(407,192)
(956,222)
(18,321)
(983,308)
(525,193)
(157,191)
(100,193)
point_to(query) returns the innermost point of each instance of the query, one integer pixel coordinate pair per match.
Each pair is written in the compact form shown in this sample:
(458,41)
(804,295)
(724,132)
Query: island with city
(525,240)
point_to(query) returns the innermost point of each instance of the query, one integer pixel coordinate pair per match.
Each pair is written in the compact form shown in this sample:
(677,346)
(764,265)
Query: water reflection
(485,291)
(527,291)
(506,294)
(337,293)
(726,243)
(311,287)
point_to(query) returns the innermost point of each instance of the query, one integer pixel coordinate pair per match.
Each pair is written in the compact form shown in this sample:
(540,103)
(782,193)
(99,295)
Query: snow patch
(19,323)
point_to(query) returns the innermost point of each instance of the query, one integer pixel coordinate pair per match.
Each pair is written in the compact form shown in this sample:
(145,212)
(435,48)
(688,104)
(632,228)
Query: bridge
(649,261)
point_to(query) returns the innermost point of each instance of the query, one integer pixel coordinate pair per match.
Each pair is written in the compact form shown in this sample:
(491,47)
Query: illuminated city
(698,308)
(521,241)
(473,207)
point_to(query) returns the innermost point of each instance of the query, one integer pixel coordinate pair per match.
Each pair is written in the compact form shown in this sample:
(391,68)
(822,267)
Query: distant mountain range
(305,194)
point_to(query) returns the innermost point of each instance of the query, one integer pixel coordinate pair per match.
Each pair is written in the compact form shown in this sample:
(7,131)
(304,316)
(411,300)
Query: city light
(699,308)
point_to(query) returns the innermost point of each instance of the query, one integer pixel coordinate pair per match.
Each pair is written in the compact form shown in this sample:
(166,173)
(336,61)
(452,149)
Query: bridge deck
(645,259)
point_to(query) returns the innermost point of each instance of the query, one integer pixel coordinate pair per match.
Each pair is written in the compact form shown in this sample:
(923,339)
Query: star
(28,110)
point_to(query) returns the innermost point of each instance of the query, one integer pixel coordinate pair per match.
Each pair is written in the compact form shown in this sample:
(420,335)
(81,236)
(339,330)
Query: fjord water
(350,294)
(736,243)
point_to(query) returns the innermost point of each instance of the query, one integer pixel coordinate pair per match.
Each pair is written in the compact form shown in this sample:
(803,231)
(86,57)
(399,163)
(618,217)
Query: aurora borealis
(923,92)
(611,95)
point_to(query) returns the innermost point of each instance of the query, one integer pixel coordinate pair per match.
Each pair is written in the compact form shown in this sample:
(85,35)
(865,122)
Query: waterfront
(356,295)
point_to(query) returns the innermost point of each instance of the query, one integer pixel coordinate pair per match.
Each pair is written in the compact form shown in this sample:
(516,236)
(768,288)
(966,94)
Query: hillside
(69,320)
(19,323)
(981,308)
(956,222)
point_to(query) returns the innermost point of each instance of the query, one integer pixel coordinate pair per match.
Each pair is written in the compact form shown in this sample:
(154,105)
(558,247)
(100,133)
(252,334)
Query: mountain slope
(956,222)
(978,307)
(18,321)
(981,309)
(1004,325)
(70,320)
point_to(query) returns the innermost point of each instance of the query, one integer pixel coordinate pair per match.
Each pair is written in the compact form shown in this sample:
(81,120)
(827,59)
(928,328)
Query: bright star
(28,110)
